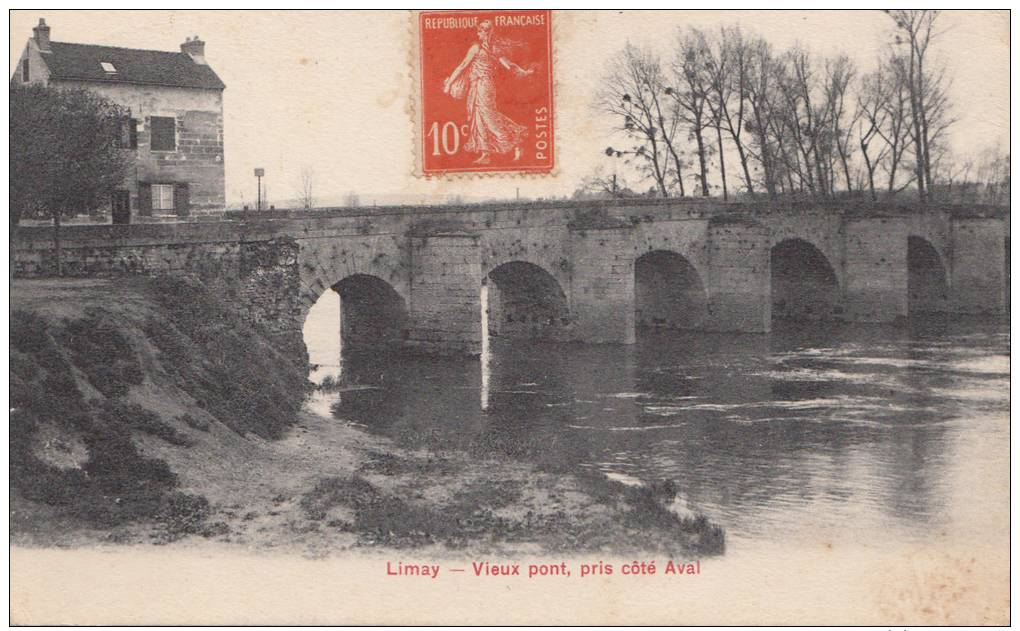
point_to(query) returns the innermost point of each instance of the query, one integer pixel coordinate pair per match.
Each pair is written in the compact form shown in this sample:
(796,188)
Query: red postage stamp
(486,95)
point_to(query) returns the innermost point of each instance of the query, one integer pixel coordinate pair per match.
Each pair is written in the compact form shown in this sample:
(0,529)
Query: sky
(330,91)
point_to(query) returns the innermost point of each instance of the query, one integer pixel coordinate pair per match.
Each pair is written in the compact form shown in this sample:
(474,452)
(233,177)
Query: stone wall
(738,286)
(445,313)
(977,283)
(267,283)
(875,269)
(602,282)
(262,274)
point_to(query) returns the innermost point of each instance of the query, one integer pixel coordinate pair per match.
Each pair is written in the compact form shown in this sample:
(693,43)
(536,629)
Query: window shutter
(133,133)
(164,133)
(144,199)
(182,203)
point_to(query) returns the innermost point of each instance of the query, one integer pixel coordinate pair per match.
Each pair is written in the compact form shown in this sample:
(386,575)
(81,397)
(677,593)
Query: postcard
(500,316)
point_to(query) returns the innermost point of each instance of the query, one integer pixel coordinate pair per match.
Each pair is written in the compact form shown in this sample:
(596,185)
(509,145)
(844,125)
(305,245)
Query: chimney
(195,49)
(42,36)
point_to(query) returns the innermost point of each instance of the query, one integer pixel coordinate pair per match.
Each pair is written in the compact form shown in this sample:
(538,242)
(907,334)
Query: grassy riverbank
(144,411)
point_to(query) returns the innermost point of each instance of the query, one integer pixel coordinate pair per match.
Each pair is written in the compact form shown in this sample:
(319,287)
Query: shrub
(201,425)
(102,353)
(134,416)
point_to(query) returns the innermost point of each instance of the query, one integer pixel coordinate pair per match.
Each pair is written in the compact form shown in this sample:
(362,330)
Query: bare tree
(761,96)
(631,92)
(690,93)
(937,122)
(729,81)
(843,117)
(928,104)
(872,97)
(717,96)
(352,199)
(795,120)
(980,178)
(306,187)
(992,173)
(599,185)
(896,131)
(799,115)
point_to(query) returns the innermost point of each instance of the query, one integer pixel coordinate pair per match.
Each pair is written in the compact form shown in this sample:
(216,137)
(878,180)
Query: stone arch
(668,292)
(525,301)
(321,262)
(823,231)
(688,238)
(804,282)
(370,314)
(543,247)
(927,280)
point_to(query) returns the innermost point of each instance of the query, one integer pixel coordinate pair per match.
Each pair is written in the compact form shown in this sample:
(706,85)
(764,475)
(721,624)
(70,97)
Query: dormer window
(108,68)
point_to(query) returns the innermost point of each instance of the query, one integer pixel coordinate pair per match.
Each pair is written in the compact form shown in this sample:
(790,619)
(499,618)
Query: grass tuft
(100,351)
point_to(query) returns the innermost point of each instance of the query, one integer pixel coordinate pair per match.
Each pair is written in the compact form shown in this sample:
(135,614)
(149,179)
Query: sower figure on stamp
(489,131)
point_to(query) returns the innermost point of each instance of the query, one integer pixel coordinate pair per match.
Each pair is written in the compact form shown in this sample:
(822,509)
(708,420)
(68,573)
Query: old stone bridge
(433,277)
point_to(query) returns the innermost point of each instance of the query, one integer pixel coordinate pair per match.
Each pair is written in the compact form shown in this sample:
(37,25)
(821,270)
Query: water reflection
(830,430)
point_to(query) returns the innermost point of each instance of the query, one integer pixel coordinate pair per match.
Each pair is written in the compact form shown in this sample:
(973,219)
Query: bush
(134,416)
(102,353)
(41,377)
(201,425)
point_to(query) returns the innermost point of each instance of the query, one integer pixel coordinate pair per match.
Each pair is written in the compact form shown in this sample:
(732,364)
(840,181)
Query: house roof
(84,62)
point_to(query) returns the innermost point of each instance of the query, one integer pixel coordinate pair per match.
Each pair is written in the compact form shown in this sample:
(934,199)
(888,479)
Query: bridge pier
(874,269)
(445,307)
(977,265)
(602,282)
(739,291)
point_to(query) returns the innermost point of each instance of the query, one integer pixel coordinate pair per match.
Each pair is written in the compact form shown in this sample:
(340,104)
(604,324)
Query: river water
(882,435)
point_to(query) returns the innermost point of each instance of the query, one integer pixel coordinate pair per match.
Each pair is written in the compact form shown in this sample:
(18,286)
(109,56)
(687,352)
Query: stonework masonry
(978,249)
(875,269)
(602,283)
(739,297)
(196,160)
(445,293)
(435,261)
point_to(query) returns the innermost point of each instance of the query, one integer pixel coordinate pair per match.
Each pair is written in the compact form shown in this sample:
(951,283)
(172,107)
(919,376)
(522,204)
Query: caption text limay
(542,570)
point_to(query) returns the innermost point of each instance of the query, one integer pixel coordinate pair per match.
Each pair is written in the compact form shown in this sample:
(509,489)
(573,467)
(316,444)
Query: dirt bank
(147,412)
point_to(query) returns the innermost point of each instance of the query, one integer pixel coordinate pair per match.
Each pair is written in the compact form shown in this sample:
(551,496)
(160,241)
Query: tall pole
(258,174)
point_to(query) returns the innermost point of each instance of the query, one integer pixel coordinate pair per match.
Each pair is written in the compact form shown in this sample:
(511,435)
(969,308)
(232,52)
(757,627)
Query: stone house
(175,125)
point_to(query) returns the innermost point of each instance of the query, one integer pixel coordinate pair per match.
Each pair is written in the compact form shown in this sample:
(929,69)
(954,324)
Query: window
(129,133)
(24,71)
(108,67)
(163,130)
(163,197)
